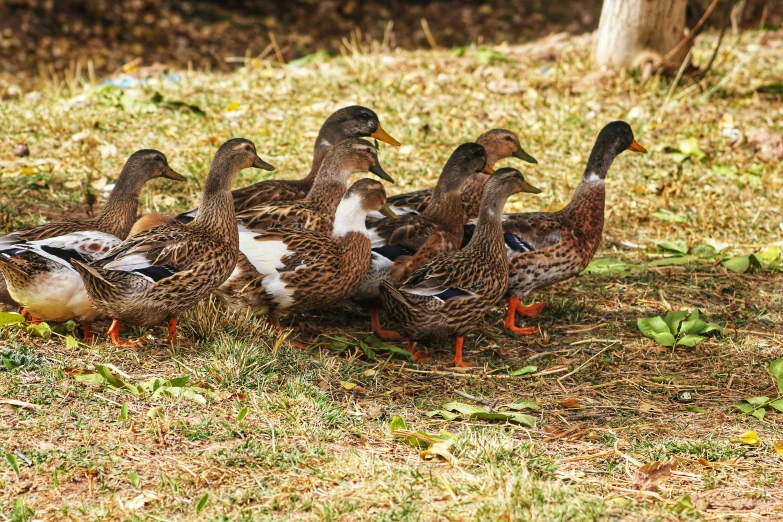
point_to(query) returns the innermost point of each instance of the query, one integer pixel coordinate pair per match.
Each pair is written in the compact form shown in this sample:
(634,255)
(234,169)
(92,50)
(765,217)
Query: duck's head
(354,121)
(468,159)
(354,155)
(366,195)
(502,143)
(615,138)
(142,166)
(372,195)
(239,153)
(510,181)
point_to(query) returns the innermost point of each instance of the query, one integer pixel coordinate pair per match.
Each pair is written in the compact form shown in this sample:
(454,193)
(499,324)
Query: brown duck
(499,144)
(450,294)
(314,213)
(402,245)
(546,248)
(298,270)
(36,262)
(158,274)
(349,122)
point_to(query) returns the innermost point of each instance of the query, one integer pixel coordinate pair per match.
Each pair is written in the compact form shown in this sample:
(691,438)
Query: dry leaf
(646,407)
(653,472)
(368,373)
(749,437)
(440,449)
(20,404)
(352,386)
(571,404)
(778,445)
(139,501)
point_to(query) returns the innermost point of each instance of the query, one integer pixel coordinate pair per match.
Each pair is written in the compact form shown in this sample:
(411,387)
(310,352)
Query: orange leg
(416,356)
(172,337)
(114,335)
(34,320)
(513,306)
(533,310)
(87,332)
(24,313)
(375,321)
(458,354)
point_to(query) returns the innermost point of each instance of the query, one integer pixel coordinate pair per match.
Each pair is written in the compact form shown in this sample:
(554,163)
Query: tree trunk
(633,33)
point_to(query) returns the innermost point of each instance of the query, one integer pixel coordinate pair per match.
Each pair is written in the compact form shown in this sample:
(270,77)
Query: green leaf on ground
(690,340)
(202,502)
(524,370)
(10,318)
(650,326)
(673,246)
(664,339)
(11,458)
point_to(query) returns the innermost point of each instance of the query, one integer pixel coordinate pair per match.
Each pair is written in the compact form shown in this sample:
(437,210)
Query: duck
(544,248)
(499,144)
(315,213)
(296,269)
(354,121)
(450,294)
(160,273)
(37,262)
(402,245)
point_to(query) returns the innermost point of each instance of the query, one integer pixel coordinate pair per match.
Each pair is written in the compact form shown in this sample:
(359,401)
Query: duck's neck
(349,218)
(322,146)
(216,211)
(586,207)
(446,208)
(118,214)
(488,237)
(328,188)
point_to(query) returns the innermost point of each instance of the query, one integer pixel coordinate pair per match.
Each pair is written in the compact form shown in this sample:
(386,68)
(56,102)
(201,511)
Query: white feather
(129,263)
(593,178)
(267,257)
(350,217)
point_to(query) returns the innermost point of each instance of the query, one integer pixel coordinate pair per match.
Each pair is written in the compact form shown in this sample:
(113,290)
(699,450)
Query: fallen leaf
(20,404)
(571,404)
(778,445)
(652,473)
(440,449)
(139,501)
(749,437)
(156,411)
(646,407)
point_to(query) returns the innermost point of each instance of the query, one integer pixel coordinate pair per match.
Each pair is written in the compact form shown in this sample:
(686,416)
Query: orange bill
(382,135)
(488,170)
(636,147)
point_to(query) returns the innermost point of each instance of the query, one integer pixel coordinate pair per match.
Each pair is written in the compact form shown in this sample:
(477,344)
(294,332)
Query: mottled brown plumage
(158,274)
(36,261)
(402,245)
(316,211)
(451,293)
(546,248)
(297,270)
(499,144)
(349,122)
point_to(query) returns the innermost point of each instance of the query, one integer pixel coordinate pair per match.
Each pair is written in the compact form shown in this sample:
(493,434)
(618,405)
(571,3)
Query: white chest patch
(593,178)
(350,217)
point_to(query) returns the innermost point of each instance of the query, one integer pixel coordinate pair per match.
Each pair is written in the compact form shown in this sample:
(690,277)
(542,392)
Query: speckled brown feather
(477,274)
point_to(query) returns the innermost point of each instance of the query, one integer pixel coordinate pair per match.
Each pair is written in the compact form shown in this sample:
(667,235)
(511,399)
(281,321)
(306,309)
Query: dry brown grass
(311,450)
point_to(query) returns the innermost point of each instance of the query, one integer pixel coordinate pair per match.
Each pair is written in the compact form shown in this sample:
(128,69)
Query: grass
(310,448)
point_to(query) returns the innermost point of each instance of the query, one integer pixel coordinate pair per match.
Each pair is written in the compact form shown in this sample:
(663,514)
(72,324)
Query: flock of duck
(435,260)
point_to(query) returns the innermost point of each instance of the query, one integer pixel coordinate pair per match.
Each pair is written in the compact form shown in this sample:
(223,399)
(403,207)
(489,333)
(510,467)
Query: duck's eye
(508,138)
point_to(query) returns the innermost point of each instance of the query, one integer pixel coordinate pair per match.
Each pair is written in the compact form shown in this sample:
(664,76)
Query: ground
(264,430)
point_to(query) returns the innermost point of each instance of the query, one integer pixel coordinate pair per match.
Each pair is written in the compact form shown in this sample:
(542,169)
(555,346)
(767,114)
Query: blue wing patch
(392,252)
(156,273)
(452,293)
(516,244)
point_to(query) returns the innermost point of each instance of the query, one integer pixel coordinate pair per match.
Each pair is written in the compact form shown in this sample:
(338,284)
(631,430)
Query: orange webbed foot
(458,361)
(114,335)
(386,335)
(533,310)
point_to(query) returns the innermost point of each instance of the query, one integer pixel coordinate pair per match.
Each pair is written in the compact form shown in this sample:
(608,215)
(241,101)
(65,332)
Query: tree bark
(633,33)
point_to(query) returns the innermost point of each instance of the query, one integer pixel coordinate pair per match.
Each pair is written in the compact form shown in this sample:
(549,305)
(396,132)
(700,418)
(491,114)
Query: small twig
(693,33)
(715,53)
(492,405)
(23,457)
(470,397)
(575,370)
(677,78)
(278,53)
(428,33)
